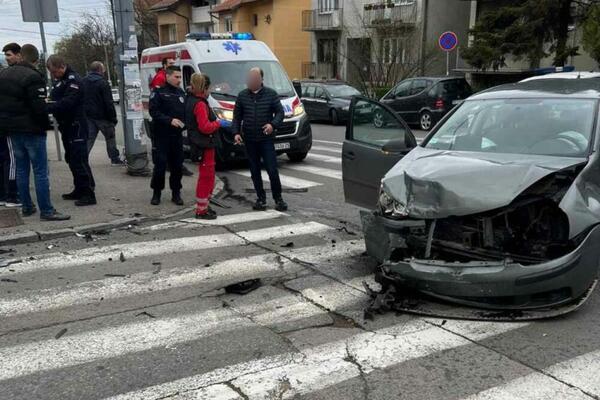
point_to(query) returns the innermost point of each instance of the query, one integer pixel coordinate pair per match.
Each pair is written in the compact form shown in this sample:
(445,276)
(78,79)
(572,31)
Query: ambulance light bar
(222,36)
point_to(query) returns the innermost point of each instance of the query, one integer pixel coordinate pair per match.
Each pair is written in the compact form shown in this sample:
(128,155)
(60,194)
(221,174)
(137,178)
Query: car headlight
(298,110)
(224,114)
(391,207)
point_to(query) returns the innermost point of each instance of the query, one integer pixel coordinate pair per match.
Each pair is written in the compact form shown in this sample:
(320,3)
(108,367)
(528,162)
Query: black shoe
(186,172)
(207,215)
(74,195)
(260,205)
(155,198)
(117,163)
(281,205)
(176,198)
(28,212)
(55,216)
(86,200)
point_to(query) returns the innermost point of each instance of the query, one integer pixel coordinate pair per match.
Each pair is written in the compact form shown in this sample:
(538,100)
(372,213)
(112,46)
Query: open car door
(376,139)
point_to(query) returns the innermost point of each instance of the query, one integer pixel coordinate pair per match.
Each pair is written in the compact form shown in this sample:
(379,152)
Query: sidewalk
(122,199)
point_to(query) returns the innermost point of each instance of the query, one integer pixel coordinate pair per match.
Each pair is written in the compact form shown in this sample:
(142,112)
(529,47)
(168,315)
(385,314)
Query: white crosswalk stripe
(324,158)
(311,169)
(327,149)
(327,142)
(307,286)
(286,181)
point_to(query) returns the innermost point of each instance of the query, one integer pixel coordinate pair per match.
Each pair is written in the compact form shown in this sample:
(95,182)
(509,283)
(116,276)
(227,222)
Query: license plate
(282,146)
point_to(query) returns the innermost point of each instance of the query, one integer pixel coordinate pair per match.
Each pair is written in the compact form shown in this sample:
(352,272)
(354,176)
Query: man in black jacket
(167,109)
(258,112)
(24,117)
(100,111)
(68,108)
(8,168)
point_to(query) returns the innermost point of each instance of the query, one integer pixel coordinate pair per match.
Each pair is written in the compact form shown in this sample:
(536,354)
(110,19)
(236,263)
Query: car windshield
(557,127)
(229,78)
(341,91)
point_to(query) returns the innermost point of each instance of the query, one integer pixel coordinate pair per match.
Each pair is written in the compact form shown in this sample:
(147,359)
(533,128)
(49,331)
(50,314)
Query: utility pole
(130,90)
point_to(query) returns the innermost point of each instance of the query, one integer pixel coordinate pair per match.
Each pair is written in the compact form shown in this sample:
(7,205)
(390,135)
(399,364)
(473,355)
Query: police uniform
(166,104)
(68,108)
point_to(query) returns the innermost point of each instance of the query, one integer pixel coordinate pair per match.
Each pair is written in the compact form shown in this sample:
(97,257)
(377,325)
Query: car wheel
(334,117)
(426,121)
(378,120)
(297,157)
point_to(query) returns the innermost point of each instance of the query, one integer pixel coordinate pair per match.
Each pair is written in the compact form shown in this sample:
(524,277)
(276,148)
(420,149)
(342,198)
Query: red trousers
(206,181)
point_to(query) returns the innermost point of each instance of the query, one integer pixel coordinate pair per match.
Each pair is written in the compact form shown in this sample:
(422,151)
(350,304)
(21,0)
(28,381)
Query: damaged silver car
(498,208)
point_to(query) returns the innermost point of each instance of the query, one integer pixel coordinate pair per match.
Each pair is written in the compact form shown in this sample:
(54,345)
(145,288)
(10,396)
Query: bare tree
(147,25)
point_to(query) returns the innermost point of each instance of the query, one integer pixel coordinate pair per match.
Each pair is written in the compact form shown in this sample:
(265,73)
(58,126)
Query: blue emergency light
(222,36)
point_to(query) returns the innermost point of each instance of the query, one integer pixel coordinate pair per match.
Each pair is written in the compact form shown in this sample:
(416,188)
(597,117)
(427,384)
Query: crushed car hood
(440,183)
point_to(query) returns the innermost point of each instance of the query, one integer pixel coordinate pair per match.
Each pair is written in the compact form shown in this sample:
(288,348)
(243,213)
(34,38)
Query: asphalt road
(141,314)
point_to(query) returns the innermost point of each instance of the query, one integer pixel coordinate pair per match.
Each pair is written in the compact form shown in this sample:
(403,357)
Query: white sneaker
(10,204)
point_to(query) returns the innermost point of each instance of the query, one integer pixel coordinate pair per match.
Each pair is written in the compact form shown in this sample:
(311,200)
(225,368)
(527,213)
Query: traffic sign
(39,10)
(448,41)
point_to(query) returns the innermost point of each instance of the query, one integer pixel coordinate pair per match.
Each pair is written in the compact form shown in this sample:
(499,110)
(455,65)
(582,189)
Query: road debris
(244,287)
(146,314)
(122,257)
(60,333)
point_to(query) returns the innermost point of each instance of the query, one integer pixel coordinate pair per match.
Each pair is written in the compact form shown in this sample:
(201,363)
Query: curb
(33,236)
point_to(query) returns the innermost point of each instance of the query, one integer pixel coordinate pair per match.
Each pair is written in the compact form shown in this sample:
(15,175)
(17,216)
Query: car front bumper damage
(535,290)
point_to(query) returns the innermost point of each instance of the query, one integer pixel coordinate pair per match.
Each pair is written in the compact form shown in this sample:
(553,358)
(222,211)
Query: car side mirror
(396,146)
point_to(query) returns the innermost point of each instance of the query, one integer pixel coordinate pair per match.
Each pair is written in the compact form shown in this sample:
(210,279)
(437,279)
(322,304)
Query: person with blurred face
(68,107)
(12,53)
(160,79)
(167,109)
(24,118)
(257,113)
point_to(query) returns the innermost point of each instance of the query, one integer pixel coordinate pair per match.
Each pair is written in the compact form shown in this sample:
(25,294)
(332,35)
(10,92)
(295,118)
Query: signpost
(448,42)
(130,87)
(41,11)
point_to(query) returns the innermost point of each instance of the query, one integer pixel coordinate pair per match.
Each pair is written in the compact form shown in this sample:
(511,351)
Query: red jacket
(159,80)
(205,126)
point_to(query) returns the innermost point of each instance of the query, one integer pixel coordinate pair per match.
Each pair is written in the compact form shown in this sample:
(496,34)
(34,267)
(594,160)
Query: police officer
(167,109)
(67,105)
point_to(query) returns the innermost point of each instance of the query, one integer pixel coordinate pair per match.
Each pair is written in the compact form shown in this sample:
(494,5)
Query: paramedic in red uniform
(203,128)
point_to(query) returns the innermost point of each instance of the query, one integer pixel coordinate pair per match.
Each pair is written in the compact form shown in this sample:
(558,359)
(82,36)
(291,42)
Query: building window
(327,51)
(392,50)
(203,3)
(327,6)
(228,24)
(172,33)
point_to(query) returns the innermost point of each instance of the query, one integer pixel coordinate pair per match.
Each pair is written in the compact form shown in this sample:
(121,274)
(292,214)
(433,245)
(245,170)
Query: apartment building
(381,40)
(278,23)
(177,18)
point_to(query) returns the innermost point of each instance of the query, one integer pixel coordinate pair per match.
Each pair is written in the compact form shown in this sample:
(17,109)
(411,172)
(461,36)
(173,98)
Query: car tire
(334,117)
(378,120)
(426,121)
(297,157)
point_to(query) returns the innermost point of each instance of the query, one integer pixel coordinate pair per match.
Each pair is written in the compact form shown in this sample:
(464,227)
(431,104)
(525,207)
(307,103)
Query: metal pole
(45,50)
(447,63)
(135,152)
(107,65)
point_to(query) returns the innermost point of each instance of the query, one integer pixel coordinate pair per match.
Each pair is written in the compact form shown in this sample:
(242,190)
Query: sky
(13,29)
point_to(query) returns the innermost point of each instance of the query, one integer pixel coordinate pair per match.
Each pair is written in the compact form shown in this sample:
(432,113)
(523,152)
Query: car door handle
(349,155)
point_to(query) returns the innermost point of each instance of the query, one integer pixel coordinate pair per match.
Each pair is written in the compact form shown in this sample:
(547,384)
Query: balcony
(318,70)
(201,15)
(322,20)
(391,15)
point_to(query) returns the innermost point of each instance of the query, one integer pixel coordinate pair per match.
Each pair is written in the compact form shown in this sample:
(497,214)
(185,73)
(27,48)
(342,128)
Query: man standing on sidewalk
(24,117)
(8,167)
(167,109)
(67,105)
(258,111)
(100,111)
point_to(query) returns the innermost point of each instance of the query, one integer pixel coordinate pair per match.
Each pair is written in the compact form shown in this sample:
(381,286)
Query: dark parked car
(327,100)
(424,101)
(498,208)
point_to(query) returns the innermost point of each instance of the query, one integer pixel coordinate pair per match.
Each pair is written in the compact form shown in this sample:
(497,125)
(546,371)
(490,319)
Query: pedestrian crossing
(172,332)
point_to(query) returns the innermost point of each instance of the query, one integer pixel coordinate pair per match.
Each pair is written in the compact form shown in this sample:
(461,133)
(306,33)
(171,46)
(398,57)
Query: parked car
(424,101)
(115,95)
(327,100)
(498,208)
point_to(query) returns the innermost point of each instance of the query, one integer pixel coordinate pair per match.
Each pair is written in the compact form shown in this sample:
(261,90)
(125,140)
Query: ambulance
(226,58)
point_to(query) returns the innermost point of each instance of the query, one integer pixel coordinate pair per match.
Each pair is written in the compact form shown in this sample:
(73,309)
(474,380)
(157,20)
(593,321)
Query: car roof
(437,78)
(565,75)
(324,82)
(544,88)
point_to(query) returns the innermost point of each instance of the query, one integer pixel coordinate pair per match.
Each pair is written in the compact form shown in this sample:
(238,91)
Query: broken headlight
(391,207)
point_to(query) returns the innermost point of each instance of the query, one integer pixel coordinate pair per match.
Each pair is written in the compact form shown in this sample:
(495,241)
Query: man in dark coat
(100,111)
(167,109)
(24,118)
(258,112)
(67,105)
